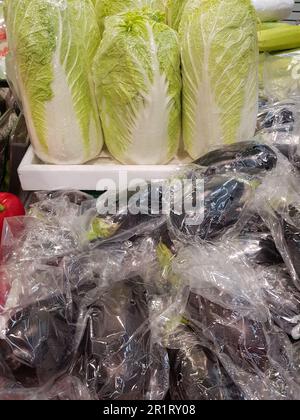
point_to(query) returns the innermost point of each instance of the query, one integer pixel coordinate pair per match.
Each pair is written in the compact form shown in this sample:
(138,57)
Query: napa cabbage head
(53,44)
(220,73)
(138,86)
(105,8)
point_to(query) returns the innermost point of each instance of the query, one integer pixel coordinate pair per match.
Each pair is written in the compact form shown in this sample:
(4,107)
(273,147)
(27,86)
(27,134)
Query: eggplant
(126,224)
(41,338)
(114,355)
(225,199)
(5,372)
(242,340)
(122,227)
(245,157)
(197,374)
(257,354)
(258,248)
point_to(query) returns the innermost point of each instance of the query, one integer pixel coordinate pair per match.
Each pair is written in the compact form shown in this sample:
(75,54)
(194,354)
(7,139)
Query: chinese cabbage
(53,44)
(220,73)
(138,86)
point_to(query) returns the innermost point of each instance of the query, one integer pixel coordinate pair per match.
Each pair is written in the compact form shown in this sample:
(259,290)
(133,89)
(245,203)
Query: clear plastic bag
(115,356)
(40,340)
(158,307)
(223,203)
(195,371)
(247,157)
(277,202)
(282,76)
(256,355)
(242,311)
(283,300)
(118,218)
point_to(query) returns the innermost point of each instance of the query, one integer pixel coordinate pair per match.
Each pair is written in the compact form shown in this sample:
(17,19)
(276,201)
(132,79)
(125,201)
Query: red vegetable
(10,206)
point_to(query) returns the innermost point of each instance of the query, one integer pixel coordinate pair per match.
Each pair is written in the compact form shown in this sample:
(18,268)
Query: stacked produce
(115,67)
(143,306)
(97,304)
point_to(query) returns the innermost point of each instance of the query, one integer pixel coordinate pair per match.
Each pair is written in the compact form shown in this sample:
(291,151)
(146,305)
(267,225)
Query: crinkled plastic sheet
(281,76)
(195,371)
(89,316)
(116,359)
(278,203)
(113,218)
(256,354)
(156,307)
(230,177)
(279,125)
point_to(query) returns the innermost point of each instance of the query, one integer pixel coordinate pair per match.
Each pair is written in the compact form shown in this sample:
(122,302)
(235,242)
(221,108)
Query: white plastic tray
(36,176)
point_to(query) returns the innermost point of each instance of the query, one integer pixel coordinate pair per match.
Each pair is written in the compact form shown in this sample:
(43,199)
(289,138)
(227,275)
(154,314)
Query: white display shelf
(36,176)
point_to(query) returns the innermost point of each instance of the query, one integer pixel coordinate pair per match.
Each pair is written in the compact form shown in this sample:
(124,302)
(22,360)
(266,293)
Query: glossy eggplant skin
(41,338)
(242,340)
(245,157)
(114,354)
(225,198)
(197,374)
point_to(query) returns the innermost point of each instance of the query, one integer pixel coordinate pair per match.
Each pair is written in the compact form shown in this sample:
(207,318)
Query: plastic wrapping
(114,356)
(247,157)
(271,10)
(277,202)
(7,122)
(215,273)
(255,353)
(196,372)
(282,76)
(157,307)
(59,306)
(279,126)
(225,201)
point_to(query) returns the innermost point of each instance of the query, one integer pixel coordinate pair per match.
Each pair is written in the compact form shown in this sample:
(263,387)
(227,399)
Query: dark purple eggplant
(241,339)
(196,373)
(258,248)
(245,157)
(122,227)
(277,118)
(126,224)
(247,349)
(41,338)
(5,371)
(114,354)
(224,202)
